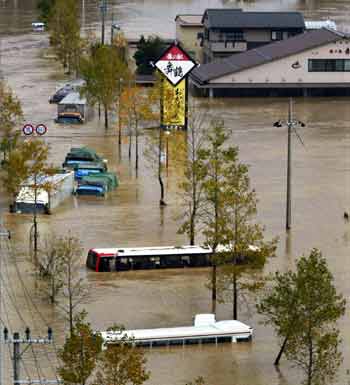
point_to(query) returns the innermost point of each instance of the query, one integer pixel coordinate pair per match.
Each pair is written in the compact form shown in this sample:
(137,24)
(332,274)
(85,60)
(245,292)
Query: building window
(276,35)
(329,65)
(231,36)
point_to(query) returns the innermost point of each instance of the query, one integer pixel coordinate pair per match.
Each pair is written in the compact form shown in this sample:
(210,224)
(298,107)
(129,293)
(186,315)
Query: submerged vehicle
(38,27)
(50,192)
(88,168)
(205,330)
(158,257)
(81,155)
(74,106)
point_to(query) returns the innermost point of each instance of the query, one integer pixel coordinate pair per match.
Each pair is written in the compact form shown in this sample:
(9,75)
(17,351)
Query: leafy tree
(213,216)
(103,70)
(191,186)
(243,240)
(135,111)
(65,33)
(75,291)
(80,353)
(122,364)
(10,116)
(303,307)
(45,9)
(148,50)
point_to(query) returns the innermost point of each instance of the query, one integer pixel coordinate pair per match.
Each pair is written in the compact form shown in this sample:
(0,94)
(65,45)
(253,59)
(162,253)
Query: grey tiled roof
(236,18)
(264,54)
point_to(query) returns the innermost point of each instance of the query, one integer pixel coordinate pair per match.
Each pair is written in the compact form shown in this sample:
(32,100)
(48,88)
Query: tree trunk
(70,315)
(213,291)
(161,202)
(192,230)
(136,151)
(106,117)
(130,144)
(279,355)
(235,295)
(311,363)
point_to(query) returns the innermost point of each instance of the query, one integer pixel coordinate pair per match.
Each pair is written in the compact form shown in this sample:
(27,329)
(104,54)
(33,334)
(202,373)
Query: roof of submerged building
(264,54)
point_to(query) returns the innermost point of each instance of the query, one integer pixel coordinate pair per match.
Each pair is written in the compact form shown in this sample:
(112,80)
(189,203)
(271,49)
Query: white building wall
(281,71)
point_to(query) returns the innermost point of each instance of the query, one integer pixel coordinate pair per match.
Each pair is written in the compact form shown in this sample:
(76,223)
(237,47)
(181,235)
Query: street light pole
(289,169)
(35,221)
(103,8)
(291,124)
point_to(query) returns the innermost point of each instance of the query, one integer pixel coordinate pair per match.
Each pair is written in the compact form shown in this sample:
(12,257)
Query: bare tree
(51,268)
(191,186)
(74,289)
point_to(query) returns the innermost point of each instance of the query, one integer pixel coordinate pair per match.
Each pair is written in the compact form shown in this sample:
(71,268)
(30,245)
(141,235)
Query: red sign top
(174,53)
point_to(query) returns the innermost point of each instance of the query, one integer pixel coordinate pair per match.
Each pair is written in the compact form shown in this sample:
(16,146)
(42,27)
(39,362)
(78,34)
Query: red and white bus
(137,258)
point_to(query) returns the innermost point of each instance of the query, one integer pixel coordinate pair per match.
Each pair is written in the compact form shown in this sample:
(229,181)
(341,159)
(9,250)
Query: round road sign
(28,129)
(41,129)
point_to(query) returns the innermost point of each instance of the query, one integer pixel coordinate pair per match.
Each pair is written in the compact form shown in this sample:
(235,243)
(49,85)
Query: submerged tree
(103,70)
(45,7)
(10,116)
(213,216)
(245,251)
(65,33)
(74,289)
(122,364)
(51,267)
(148,51)
(191,185)
(303,307)
(135,110)
(80,353)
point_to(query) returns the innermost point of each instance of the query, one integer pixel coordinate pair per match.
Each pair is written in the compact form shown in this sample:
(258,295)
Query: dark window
(224,339)
(209,340)
(231,36)
(91,260)
(276,35)
(329,65)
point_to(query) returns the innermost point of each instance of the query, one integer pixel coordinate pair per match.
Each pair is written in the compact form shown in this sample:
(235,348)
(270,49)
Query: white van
(38,27)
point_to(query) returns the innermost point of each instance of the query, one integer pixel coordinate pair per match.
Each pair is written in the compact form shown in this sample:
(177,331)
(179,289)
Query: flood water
(131,216)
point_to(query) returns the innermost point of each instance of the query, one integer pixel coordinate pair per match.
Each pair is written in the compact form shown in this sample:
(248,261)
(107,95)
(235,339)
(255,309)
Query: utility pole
(16,341)
(5,236)
(291,125)
(35,223)
(289,168)
(103,9)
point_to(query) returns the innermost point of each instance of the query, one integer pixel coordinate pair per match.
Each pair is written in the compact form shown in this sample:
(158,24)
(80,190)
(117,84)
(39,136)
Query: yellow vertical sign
(174,104)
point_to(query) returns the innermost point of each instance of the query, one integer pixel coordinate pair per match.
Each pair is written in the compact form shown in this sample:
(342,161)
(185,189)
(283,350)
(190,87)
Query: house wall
(282,72)
(187,36)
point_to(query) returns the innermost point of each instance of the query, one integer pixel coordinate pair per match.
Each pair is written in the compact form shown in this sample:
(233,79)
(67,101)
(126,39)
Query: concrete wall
(281,71)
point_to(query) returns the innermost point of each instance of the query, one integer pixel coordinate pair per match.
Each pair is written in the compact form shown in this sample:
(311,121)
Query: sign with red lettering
(175,64)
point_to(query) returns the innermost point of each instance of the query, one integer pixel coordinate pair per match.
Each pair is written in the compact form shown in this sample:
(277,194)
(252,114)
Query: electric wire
(29,299)
(28,303)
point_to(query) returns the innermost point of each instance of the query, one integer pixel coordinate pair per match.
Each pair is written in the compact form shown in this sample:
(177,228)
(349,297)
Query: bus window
(104,264)
(91,260)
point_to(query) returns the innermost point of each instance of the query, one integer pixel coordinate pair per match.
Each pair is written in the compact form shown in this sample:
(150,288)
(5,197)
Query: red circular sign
(41,129)
(28,129)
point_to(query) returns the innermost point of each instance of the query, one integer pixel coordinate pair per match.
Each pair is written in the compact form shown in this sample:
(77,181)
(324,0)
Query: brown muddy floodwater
(131,216)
